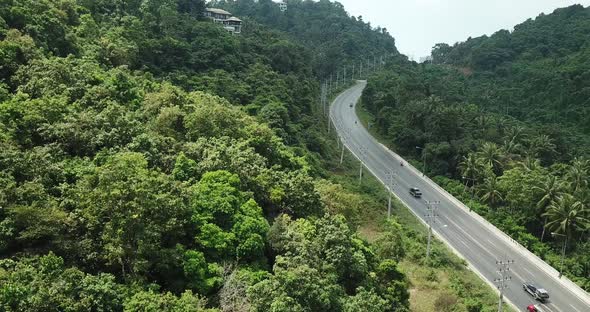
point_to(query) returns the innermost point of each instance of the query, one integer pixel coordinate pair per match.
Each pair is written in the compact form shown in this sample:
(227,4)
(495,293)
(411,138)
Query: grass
(442,285)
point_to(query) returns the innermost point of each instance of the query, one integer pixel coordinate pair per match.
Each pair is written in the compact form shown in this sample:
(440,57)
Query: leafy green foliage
(148,151)
(496,115)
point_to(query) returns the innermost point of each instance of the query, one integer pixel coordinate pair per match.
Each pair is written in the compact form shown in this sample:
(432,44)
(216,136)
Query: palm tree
(511,148)
(493,155)
(515,134)
(551,190)
(530,163)
(542,145)
(578,174)
(489,191)
(470,167)
(566,216)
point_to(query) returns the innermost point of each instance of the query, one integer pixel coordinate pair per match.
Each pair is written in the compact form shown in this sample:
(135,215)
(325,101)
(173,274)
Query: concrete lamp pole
(423,160)
(432,207)
(390,184)
(562,252)
(503,270)
(472,188)
(362,155)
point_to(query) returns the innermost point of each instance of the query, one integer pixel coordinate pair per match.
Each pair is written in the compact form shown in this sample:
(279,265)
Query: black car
(538,293)
(414,191)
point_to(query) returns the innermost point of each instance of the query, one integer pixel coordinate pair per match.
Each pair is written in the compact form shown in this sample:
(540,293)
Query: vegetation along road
(481,244)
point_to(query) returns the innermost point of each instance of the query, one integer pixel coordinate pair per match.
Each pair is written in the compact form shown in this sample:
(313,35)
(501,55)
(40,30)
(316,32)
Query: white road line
(553,307)
(545,307)
(531,273)
(472,239)
(575,308)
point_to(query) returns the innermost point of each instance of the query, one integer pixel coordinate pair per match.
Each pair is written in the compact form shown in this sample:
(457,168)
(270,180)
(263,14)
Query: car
(535,291)
(414,191)
(534,308)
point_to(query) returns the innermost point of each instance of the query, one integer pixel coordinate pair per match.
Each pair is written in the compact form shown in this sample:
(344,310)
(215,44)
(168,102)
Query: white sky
(418,25)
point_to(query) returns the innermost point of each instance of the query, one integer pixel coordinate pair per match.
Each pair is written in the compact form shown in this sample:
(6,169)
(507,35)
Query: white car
(538,293)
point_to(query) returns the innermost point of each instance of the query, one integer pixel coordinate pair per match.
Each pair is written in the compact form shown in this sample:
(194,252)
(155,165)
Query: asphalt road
(477,241)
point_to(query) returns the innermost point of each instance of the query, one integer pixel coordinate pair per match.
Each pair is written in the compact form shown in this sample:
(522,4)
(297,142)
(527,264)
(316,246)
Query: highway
(465,232)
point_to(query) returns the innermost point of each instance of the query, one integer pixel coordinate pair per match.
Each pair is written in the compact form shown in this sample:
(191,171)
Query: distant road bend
(468,234)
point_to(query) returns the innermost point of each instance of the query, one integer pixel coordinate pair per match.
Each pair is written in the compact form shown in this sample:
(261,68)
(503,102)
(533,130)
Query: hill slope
(503,121)
(150,160)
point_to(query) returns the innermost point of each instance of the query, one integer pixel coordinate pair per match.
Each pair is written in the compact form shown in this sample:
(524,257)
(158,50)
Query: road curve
(466,233)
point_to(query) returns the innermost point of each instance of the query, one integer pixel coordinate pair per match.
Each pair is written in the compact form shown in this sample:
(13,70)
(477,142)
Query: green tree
(489,191)
(566,216)
(149,301)
(133,216)
(578,174)
(550,189)
(493,156)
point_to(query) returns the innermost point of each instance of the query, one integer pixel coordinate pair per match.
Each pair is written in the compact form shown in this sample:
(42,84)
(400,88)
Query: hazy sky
(418,25)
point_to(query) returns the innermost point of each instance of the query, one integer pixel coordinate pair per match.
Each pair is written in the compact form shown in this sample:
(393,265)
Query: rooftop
(217,11)
(234,19)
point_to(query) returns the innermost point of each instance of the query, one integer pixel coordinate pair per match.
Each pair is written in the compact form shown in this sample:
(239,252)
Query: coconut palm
(566,216)
(530,163)
(489,191)
(551,190)
(493,155)
(578,174)
(541,145)
(470,167)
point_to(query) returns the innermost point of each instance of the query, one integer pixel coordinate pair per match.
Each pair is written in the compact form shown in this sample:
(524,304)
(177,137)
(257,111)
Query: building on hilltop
(233,24)
(223,17)
(283,6)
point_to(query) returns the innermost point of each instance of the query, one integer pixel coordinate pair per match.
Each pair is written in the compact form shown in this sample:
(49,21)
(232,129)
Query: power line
(390,180)
(432,208)
(362,155)
(503,271)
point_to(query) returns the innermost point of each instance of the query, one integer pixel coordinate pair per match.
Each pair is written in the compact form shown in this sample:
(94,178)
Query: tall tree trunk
(544,225)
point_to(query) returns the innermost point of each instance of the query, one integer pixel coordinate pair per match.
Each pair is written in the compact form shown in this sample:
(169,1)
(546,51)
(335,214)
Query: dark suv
(414,191)
(538,293)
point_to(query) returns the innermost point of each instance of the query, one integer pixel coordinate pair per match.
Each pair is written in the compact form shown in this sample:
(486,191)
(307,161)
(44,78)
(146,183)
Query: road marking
(554,307)
(531,273)
(472,239)
(574,308)
(547,308)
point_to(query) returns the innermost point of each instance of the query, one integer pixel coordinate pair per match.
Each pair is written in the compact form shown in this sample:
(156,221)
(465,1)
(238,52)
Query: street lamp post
(423,160)
(390,183)
(472,188)
(562,251)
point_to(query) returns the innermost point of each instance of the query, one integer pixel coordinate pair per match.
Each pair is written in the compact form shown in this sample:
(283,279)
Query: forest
(503,123)
(152,161)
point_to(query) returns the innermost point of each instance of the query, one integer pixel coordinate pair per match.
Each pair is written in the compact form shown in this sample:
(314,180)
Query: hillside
(152,161)
(540,71)
(503,123)
(333,36)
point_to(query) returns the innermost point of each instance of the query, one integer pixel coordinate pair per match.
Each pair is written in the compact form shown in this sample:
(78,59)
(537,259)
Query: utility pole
(362,155)
(361,70)
(390,184)
(503,270)
(423,159)
(432,208)
(342,153)
(324,95)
